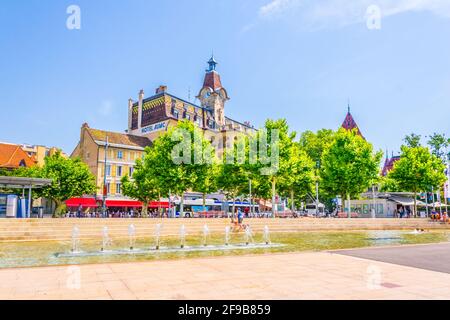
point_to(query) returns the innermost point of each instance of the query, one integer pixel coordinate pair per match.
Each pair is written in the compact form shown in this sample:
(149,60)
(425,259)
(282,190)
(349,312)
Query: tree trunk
(349,206)
(415,205)
(273,197)
(181,206)
(145,209)
(292,201)
(59,206)
(204,202)
(234,209)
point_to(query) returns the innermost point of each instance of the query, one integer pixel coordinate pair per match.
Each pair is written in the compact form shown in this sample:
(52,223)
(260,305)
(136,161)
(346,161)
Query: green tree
(438,143)
(301,178)
(278,145)
(417,170)
(233,177)
(144,185)
(70,178)
(412,140)
(183,160)
(314,145)
(349,165)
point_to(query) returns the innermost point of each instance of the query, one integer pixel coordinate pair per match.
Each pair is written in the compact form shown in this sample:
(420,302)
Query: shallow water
(27,254)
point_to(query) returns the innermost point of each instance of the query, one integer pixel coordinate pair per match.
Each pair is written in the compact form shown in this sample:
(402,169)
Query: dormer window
(175,112)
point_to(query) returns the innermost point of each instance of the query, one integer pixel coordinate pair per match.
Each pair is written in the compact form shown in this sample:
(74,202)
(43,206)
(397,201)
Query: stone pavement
(434,257)
(312,275)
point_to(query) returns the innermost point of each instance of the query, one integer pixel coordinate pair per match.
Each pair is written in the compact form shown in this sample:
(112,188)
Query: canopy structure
(438,205)
(23,183)
(405,201)
(10,182)
(84,202)
(116,203)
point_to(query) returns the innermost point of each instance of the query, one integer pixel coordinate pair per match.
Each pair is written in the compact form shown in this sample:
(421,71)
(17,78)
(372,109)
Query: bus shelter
(26,185)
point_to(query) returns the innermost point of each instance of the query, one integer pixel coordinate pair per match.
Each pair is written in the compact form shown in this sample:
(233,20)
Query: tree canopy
(349,165)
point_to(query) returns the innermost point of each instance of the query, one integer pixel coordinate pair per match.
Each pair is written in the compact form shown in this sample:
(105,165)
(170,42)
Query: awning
(123,203)
(159,204)
(404,201)
(84,202)
(135,204)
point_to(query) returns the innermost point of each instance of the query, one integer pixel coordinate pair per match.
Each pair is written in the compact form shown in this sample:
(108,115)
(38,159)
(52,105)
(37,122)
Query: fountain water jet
(75,239)
(227,235)
(157,235)
(182,236)
(248,235)
(205,235)
(106,240)
(266,235)
(132,236)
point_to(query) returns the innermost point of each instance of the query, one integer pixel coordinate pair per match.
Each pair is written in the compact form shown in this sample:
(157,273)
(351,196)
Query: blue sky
(297,59)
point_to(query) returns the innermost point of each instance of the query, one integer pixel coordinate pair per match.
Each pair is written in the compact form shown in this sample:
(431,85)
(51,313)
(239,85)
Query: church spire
(350,123)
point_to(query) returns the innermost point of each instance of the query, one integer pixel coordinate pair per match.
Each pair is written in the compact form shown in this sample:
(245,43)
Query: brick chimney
(130,113)
(141,98)
(161,89)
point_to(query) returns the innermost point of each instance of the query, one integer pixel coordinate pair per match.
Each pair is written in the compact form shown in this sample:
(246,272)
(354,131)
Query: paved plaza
(311,275)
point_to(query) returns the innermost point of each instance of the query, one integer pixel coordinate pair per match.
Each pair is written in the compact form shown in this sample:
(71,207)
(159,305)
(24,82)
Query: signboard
(155,127)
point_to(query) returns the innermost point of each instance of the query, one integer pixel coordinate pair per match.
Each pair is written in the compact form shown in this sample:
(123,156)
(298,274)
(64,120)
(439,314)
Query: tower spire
(212,64)
(348,105)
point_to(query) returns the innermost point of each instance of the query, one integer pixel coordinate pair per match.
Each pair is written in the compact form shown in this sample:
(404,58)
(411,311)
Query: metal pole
(426,202)
(105,190)
(250,193)
(440,201)
(29,203)
(317,189)
(374,202)
(317,199)
(432,194)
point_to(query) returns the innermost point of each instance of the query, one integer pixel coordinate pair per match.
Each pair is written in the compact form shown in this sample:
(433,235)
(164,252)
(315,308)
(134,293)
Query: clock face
(206,93)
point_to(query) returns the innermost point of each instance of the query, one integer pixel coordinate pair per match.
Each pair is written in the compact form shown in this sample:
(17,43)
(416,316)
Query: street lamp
(105,190)
(317,188)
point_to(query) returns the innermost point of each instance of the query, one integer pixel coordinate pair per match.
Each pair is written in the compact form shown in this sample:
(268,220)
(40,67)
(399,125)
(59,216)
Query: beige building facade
(122,150)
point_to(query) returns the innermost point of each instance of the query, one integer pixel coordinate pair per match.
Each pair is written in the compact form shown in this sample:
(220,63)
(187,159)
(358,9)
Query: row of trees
(420,168)
(70,178)
(342,162)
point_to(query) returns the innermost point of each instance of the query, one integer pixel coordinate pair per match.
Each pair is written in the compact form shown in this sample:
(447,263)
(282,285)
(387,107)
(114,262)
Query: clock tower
(212,95)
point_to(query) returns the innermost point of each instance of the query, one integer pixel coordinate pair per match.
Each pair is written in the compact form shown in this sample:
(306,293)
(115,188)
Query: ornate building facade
(152,116)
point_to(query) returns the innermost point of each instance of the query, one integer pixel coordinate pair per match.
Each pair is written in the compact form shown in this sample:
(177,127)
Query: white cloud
(277,6)
(344,12)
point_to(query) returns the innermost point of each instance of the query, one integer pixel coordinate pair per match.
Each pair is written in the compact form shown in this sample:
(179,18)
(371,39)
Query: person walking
(240,216)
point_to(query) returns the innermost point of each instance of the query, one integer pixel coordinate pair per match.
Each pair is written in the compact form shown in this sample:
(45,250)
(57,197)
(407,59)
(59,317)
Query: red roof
(350,124)
(389,165)
(212,80)
(12,156)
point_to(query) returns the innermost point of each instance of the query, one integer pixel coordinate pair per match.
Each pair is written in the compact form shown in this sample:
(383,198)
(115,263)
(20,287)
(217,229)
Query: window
(119,154)
(108,188)
(118,188)
(87,155)
(175,113)
(108,170)
(130,171)
(119,171)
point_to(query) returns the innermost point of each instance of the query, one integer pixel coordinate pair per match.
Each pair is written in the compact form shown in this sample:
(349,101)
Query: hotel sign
(154,127)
